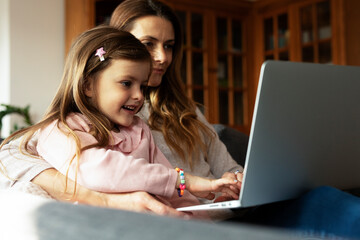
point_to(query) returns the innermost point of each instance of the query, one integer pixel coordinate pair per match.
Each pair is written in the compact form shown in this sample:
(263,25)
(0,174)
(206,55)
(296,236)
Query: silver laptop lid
(305,131)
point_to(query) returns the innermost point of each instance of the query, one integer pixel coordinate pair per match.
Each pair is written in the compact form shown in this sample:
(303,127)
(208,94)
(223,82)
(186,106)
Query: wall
(5,52)
(32,54)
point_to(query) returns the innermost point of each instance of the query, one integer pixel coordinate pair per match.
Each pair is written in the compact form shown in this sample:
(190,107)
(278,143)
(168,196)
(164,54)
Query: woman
(179,128)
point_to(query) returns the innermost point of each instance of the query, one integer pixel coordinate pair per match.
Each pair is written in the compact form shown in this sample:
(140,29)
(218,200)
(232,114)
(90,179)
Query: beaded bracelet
(182,182)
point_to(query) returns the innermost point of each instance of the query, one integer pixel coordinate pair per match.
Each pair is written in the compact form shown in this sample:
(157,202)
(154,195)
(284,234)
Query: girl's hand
(237,176)
(205,188)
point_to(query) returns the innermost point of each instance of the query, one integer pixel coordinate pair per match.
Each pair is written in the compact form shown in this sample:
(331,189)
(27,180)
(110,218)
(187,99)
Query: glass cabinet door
(225,95)
(230,72)
(316,32)
(276,37)
(194,55)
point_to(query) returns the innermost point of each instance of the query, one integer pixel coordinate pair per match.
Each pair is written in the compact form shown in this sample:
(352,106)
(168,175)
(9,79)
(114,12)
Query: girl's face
(157,34)
(118,90)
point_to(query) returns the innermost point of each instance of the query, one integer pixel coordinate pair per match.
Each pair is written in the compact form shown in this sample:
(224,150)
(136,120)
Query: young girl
(179,129)
(91,133)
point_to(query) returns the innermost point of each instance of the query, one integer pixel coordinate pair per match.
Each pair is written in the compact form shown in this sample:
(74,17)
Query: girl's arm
(105,169)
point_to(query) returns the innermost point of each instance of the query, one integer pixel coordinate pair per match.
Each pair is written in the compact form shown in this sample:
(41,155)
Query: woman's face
(157,34)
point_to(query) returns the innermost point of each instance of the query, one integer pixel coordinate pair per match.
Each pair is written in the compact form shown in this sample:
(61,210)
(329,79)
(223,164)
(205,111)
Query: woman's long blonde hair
(171,111)
(81,67)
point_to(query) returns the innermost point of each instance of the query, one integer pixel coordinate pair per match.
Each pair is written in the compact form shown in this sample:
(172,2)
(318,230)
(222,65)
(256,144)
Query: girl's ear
(89,88)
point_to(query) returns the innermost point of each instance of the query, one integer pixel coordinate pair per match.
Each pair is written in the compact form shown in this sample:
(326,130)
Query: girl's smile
(130,108)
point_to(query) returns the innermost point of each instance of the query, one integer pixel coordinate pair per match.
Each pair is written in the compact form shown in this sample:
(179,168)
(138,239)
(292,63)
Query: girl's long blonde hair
(171,111)
(81,67)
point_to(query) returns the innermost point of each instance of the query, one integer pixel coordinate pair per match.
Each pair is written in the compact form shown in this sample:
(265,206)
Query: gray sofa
(29,217)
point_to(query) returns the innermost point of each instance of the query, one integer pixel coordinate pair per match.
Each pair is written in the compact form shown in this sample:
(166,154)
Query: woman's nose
(160,55)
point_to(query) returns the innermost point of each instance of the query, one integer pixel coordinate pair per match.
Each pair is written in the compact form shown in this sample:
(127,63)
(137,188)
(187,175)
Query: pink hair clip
(100,52)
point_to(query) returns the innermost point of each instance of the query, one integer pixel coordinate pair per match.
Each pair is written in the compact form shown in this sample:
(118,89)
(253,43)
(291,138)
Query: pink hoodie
(131,161)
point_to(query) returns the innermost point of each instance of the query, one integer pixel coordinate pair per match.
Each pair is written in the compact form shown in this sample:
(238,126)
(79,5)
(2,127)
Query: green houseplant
(6,109)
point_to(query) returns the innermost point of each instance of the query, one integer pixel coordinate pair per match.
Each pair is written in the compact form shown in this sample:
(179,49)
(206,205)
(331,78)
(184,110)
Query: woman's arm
(18,168)
(53,182)
(24,168)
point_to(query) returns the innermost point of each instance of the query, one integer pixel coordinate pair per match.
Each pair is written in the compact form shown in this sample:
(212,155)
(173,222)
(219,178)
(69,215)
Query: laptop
(305,133)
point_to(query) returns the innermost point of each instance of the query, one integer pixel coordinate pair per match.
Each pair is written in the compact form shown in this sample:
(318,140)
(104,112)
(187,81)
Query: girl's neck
(115,128)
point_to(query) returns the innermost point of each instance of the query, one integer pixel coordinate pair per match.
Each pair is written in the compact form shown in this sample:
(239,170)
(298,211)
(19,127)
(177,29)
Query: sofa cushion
(235,141)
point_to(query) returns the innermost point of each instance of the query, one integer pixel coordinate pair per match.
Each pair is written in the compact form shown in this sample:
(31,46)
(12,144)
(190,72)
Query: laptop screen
(305,131)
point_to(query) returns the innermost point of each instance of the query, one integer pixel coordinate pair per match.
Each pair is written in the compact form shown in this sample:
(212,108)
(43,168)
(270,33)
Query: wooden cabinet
(301,31)
(226,41)
(316,31)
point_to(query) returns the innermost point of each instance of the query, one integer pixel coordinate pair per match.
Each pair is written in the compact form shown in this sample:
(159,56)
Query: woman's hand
(54,183)
(137,202)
